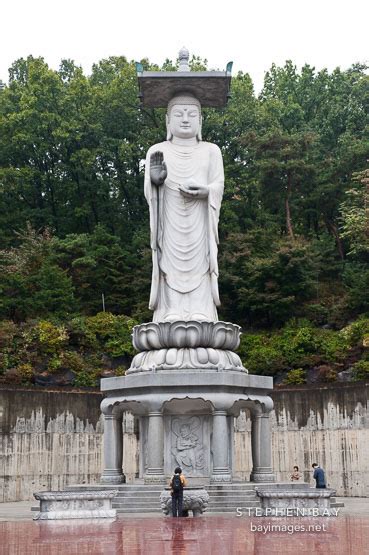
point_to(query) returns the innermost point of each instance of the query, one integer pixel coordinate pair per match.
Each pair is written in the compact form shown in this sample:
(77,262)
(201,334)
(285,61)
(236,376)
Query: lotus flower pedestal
(185,385)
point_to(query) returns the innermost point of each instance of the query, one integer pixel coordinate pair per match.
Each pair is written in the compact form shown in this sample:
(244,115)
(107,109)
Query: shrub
(120,370)
(8,331)
(85,379)
(333,346)
(327,374)
(53,364)
(73,361)
(51,338)
(297,343)
(356,332)
(295,377)
(264,360)
(360,370)
(104,332)
(25,372)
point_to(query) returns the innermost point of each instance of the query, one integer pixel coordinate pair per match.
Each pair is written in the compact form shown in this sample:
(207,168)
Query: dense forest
(75,261)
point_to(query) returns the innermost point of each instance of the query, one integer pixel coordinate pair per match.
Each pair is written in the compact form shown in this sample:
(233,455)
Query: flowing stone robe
(184,233)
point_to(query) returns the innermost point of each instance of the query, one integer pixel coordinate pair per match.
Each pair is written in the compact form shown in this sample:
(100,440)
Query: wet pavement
(211,534)
(207,535)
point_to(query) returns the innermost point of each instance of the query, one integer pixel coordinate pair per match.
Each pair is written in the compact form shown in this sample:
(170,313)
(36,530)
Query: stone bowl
(186,334)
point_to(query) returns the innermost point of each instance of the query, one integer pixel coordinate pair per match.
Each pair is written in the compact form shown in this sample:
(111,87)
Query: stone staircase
(336,504)
(136,498)
(144,498)
(224,498)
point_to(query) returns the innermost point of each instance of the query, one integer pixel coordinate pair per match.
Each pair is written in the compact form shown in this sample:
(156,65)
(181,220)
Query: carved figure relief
(188,450)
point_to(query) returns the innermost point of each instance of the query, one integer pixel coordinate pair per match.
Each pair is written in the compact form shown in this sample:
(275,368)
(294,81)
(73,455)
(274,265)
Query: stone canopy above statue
(211,88)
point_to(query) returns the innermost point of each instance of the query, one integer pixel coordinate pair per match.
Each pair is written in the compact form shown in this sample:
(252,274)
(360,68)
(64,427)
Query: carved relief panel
(187,445)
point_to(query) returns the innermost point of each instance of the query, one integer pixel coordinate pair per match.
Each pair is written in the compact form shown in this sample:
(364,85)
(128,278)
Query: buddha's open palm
(158,168)
(194,190)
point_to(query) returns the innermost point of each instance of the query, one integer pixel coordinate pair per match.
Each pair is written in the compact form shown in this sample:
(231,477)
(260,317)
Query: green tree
(31,282)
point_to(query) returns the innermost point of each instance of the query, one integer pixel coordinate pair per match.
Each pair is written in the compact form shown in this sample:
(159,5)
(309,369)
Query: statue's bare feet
(158,168)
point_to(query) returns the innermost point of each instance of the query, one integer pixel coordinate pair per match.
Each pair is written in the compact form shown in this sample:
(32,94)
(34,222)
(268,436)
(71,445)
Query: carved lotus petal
(201,358)
(171,356)
(182,334)
(152,339)
(202,355)
(160,357)
(213,356)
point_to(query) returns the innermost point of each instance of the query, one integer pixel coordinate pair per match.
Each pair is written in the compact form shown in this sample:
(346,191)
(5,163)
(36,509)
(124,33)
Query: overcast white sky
(252,33)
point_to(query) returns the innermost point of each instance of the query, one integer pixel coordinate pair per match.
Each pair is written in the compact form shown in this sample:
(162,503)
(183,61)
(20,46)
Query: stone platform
(302,501)
(185,386)
(186,419)
(86,503)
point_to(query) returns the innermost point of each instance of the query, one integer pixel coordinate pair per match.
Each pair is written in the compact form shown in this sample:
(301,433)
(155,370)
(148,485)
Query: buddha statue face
(184,118)
(184,121)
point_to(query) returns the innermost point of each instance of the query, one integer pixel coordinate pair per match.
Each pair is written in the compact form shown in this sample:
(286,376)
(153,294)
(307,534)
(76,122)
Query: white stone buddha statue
(184,182)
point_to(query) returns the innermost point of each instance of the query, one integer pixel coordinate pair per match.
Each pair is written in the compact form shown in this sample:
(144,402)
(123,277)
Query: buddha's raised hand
(158,168)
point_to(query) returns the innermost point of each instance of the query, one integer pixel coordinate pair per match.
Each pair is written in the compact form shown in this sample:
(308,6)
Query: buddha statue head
(184,119)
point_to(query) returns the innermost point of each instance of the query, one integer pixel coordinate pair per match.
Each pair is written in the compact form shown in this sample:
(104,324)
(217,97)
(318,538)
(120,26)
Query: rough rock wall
(49,439)
(327,424)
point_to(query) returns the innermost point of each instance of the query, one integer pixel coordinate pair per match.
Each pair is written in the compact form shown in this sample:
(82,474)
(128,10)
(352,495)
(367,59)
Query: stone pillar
(155,448)
(130,455)
(220,448)
(113,448)
(261,444)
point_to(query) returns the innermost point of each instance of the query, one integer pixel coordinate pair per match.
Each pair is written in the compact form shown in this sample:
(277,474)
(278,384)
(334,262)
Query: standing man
(319,476)
(177,484)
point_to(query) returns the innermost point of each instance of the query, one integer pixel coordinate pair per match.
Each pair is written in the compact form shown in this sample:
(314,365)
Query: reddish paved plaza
(217,535)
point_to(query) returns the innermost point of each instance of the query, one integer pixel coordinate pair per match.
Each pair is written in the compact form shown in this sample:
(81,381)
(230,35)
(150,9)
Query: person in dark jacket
(177,484)
(319,476)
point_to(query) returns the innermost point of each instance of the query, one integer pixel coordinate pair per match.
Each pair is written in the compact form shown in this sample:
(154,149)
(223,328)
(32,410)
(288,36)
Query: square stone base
(62,505)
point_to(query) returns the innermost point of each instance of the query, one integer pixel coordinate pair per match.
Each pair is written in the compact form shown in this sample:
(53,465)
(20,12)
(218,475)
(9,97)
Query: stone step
(339,503)
(212,501)
(247,493)
(229,495)
(140,495)
(142,504)
(222,504)
(243,486)
(233,510)
(235,502)
(119,487)
(125,510)
(231,490)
